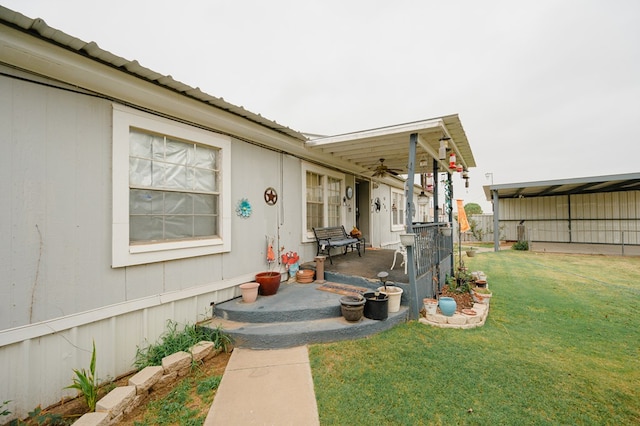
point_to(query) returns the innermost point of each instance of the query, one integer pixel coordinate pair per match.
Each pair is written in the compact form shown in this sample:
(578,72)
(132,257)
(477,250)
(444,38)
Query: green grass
(182,406)
(561,346)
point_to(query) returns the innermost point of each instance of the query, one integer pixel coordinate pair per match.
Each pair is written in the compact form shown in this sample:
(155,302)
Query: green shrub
(87,383)
(4,411)
(174,340)
(521,245)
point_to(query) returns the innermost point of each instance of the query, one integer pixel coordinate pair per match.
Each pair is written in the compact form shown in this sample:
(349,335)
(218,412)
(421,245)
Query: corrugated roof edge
(38,27)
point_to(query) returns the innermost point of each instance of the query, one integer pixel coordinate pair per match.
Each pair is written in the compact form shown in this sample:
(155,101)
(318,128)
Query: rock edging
(459,320)
(122,400)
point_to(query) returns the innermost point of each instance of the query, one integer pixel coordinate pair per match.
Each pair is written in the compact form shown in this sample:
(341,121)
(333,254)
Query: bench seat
(332,237)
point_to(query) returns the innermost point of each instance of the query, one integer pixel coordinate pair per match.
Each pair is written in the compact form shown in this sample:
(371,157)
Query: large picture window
(170,195)
(173,189)
(323,201)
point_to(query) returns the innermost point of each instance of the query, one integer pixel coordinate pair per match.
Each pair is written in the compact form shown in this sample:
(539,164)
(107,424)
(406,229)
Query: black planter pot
(376,306)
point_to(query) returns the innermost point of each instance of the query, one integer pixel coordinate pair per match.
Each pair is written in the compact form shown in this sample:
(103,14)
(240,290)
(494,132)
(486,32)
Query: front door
(363,213)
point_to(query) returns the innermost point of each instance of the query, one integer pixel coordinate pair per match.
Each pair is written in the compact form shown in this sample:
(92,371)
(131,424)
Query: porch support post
(436,187)
(449,201)
(414,304)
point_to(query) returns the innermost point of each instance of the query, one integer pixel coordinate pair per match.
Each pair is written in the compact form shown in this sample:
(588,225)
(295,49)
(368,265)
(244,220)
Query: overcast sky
(544,89)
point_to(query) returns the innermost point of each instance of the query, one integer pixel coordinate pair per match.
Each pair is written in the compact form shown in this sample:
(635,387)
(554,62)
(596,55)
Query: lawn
(561,346)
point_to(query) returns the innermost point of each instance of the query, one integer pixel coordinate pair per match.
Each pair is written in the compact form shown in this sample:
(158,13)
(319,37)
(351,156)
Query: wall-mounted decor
(349,192)
(270,196)
(243,209)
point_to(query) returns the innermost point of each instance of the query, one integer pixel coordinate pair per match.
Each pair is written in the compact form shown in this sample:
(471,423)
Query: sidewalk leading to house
(266,387)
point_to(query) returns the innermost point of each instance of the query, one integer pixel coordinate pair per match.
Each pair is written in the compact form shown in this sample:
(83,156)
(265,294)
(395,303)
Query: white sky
(545,89)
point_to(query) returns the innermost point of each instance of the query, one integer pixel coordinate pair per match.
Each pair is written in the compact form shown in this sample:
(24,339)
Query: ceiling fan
(382,170)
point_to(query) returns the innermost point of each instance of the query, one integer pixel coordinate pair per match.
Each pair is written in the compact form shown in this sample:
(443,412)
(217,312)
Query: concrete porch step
(293,302)
(297,314)
(288,334)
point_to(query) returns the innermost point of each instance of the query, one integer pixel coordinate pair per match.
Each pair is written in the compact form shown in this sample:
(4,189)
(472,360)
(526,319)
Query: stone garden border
(459,320)
(112,408)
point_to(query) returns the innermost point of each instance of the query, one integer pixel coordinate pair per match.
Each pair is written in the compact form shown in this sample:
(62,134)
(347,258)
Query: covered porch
(421,157)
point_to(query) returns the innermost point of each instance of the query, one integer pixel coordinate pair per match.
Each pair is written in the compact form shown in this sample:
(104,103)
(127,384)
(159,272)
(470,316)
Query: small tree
(472,208)
(476,230)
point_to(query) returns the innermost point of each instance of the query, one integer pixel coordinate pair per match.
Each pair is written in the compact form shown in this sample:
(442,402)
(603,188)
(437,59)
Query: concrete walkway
(266,387)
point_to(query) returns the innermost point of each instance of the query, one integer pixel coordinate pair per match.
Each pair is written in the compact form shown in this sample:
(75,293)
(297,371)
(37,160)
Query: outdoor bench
(335,236)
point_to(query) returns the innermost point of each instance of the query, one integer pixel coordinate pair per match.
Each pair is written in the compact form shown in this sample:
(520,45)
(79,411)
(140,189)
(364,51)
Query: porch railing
(433,254)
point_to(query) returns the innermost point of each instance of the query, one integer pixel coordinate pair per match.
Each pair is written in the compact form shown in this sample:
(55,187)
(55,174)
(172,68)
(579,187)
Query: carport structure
(591,210)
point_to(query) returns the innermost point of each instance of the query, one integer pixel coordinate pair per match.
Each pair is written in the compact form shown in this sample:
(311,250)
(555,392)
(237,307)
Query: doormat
(342,288)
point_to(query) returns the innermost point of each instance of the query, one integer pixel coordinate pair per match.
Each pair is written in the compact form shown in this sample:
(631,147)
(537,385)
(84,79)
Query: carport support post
(411,270)
(496,220)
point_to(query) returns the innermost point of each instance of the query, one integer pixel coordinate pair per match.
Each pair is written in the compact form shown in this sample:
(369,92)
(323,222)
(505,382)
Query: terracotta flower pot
(480,296)
(249,292)
(269,282)
(305,276)
(430,305)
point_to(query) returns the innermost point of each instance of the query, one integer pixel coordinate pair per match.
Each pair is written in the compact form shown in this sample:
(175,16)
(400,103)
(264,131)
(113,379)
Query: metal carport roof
(583,185)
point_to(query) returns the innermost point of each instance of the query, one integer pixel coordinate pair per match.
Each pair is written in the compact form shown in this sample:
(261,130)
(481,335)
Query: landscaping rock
(147,377)
(200,350)
(457,319)
(176,362)
(115,401)
(93,419)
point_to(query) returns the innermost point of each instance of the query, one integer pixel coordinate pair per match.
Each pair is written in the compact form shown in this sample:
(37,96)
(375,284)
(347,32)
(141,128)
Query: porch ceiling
(364,149)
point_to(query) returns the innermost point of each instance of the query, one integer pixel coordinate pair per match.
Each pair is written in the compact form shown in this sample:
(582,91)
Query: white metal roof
(39,27)
(358,152)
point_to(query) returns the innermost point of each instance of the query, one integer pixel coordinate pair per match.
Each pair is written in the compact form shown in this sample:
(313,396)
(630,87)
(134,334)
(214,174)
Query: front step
(298,314)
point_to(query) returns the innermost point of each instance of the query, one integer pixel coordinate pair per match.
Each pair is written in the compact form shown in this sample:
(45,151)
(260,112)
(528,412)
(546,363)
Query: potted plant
(446,230)
(270,280)
(430,305)
(481,295)
(471,251)
(393,292)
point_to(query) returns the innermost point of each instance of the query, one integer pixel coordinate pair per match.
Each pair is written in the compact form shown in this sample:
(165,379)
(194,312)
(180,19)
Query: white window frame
(307,236)
(401,217)
(124,253)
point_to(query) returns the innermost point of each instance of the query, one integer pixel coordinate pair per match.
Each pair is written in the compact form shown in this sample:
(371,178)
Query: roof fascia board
(400,129)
